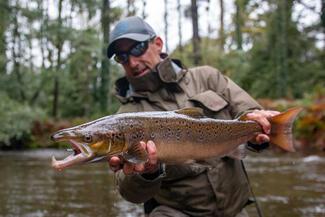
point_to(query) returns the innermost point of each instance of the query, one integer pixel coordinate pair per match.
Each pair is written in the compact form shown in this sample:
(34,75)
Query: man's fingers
(262,120)
(152,152)
(128,168)
(262,138)
(261,117)
(265,124)
(139,168)
(273,113)
(115,163)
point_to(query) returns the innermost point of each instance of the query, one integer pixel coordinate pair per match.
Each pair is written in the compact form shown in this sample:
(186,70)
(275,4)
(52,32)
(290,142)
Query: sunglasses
(138,49)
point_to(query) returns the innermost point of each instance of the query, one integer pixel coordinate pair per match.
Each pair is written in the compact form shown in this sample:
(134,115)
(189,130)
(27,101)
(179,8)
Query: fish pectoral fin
(136,154)
(191,112)
(239,153)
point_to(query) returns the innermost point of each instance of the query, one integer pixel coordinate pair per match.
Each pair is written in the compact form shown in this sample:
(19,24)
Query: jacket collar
(170,71)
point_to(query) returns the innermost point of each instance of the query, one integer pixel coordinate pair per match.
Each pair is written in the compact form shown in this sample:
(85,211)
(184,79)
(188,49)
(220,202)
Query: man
(153,81)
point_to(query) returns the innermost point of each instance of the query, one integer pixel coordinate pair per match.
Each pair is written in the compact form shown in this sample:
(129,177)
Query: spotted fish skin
(179,136)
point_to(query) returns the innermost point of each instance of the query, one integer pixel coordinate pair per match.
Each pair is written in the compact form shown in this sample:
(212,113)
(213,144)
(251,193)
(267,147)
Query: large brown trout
(179,136)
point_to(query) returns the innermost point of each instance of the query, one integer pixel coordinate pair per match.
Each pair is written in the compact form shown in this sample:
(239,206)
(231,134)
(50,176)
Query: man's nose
(133,61)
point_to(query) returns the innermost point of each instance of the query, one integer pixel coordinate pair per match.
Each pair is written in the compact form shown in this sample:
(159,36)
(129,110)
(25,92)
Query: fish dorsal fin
(191,112)
(136,154)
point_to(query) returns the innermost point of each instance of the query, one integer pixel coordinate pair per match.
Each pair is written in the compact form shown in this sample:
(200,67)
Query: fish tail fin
(281,129)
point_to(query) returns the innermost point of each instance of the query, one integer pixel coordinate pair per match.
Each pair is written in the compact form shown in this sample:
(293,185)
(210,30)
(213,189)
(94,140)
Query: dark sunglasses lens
(139,49)
(121,58)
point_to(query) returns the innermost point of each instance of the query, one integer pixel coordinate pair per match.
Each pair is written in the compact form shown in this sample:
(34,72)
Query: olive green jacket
(213,187)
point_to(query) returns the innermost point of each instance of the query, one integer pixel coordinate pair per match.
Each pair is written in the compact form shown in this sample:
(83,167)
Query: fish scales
(179,136)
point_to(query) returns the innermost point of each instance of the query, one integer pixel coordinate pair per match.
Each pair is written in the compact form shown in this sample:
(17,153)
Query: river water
(285,185)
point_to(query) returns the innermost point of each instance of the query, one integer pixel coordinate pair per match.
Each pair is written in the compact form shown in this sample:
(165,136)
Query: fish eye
(88,138)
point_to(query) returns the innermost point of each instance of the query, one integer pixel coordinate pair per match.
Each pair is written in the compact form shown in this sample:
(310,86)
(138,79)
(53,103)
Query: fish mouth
(81,153)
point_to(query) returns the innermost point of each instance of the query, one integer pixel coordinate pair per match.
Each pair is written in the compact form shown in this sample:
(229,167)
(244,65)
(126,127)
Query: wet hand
(151,166)
(261,117)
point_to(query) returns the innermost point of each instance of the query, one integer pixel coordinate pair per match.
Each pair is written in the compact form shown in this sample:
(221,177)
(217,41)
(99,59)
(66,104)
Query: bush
(16,121)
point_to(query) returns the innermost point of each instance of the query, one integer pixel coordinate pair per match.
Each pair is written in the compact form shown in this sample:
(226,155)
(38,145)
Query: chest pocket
(212,104)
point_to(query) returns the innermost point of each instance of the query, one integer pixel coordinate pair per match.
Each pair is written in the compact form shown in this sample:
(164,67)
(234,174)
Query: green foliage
(269,55)
(282,62)
(78,80)
(234,63)
(16,120)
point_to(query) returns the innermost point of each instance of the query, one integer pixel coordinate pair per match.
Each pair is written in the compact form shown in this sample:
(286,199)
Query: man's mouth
(140,73)
(81,153)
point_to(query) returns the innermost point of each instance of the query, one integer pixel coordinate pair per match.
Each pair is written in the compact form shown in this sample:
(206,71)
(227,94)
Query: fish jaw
(64,135)
(82,153)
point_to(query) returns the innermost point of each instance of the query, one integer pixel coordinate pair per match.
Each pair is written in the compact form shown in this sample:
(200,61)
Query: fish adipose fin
(191,112)
(281,129)
(136,154)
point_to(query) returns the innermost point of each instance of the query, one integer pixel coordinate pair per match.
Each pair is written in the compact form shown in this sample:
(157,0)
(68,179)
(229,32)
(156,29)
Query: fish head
(89,144)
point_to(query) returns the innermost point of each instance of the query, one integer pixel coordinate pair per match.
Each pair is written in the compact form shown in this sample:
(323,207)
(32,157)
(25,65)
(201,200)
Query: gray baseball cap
(133,28)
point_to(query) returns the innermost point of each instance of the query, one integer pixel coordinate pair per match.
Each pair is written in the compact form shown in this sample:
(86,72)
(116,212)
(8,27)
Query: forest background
(54,72)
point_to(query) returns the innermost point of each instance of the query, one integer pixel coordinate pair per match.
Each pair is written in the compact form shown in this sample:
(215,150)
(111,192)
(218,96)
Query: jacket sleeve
(137,188)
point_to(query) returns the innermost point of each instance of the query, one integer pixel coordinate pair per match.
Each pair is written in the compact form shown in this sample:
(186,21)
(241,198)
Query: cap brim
(132,36)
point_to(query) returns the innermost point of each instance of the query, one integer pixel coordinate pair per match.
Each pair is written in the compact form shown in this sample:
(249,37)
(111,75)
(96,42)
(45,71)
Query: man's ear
(159,43)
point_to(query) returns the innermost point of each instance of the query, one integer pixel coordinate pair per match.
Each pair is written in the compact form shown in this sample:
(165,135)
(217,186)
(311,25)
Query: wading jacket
(213,187)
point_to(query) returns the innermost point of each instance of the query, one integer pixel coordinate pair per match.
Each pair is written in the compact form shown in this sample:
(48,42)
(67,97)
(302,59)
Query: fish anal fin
(136,154)
(194,112)
(281,130)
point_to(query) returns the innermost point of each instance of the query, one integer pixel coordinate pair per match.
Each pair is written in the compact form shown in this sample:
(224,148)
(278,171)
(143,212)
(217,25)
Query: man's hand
(151,166)
(261,117)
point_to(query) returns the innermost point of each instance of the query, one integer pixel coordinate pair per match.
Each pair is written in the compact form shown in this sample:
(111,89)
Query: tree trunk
(42,40)
(222,24)
(144,14)
(4,13)
(196,37)
(322,17)
(16,42)
(283,19)
(238,24)
(179,9)
(166,24)
(59,45)
(131,11)
(104,91)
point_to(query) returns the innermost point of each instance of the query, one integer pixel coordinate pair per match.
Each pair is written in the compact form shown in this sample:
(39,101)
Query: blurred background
(54,74)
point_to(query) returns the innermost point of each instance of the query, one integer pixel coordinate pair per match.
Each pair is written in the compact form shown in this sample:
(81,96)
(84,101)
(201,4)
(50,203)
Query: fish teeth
(54,161)
(55,164)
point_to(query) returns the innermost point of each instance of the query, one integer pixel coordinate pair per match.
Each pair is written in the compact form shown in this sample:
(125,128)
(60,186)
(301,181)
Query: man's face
(138,66)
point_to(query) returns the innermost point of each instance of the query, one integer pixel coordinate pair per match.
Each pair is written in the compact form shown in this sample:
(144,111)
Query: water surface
(285,185)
